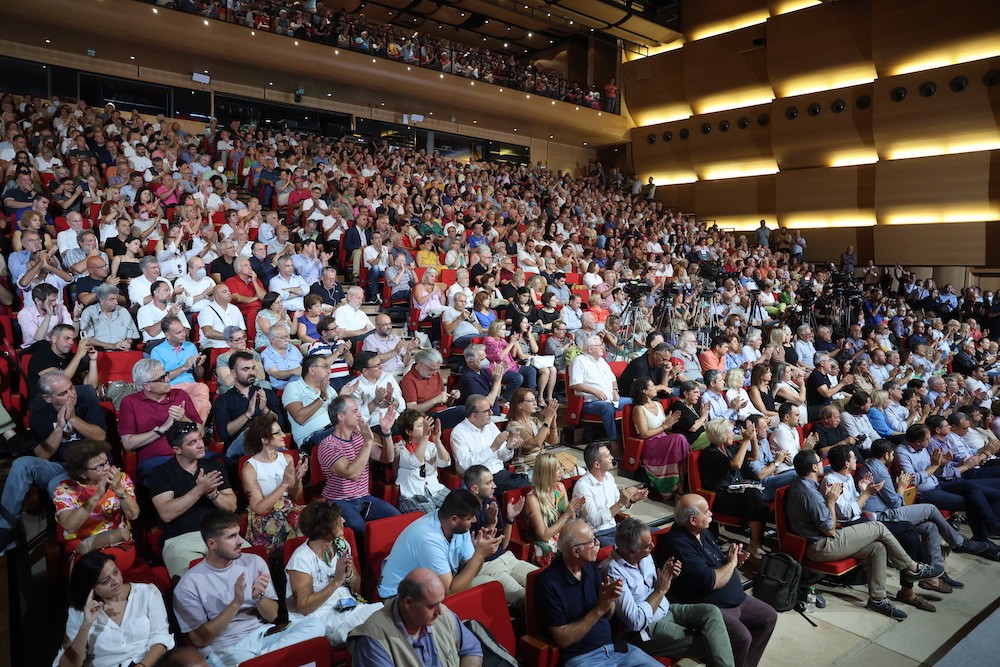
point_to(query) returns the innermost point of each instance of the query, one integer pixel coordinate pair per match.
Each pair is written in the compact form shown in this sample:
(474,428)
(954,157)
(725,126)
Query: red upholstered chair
(520,533)
(795,546)
(117,365)
(316,651)
(574,401)
(536,646)
(488,605)
(380,535)
(633,443)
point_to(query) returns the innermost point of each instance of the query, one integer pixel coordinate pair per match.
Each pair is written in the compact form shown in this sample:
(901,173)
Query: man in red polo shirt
(423,390)
(246,289)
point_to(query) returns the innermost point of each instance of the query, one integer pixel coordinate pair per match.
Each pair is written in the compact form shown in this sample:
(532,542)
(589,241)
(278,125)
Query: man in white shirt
(478,441)
(353,323)
(376,258)
(151,315)
(139,287)
(219,313)
(592,377)
(785,436)
(207,199)
(374,390)
(602,497)
(291,287)
(69,239)
(461,285)
(196,285)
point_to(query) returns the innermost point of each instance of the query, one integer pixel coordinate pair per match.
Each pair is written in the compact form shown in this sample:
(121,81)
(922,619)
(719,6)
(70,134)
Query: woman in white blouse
(321,575)
(418,456)
(112,623)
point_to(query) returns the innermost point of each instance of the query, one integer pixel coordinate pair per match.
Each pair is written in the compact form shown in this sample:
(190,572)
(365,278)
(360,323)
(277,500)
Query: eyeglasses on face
(103,465)
(590,543)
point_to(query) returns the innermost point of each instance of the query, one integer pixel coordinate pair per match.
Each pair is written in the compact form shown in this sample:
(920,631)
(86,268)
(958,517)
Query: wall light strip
(734,23)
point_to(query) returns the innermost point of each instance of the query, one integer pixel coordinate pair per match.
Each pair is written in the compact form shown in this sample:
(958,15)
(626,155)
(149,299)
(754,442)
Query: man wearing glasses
(61,414)
(215,317)
(145,416)
(374,390)
(575,603)
(478,441)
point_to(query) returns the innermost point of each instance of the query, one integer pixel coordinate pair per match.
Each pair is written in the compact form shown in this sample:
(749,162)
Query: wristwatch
(258,598)
(158,432)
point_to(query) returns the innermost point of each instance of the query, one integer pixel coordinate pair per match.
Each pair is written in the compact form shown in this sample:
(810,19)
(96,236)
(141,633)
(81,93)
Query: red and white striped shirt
(337,487)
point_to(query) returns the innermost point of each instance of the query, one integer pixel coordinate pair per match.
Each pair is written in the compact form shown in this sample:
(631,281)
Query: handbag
(542,361)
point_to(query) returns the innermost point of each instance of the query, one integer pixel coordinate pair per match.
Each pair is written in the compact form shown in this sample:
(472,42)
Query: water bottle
(811,600)
(406,327)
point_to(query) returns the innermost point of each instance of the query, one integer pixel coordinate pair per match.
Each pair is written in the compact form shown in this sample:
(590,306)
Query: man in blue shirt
(442,543)
(664,629)
(183,363)
(710,576)
(412,620)
(574,603)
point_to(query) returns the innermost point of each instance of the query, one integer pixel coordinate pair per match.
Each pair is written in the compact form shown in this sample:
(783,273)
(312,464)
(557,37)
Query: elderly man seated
(423,389)
(107,324)
(662,628)
(478,441)
(353,323)
(479,377)
(591,376)
(708,575)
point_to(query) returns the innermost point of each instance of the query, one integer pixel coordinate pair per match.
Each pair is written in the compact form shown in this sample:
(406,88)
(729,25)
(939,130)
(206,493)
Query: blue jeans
(375,274)
(606,411)
(511,382)
(237,447)
(605,656)
(605,537)
(463,342)
(775,482)
(982,504)
(146,467)
(351,509)
(25,471)
(529,375)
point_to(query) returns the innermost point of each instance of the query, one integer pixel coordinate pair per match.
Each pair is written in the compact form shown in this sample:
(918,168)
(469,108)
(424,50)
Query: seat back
(316,651)
(694,475)
(117,365)
(291,545)
(792,544)
(380,535)
(632,442)
(486,604)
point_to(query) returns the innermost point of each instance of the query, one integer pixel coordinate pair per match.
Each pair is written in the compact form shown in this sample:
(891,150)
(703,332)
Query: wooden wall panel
(819,49)
(829,139)
(733,153)
(678,197)
(667,162)
(699,18)
(737,202)
(827,245)
(572,159)
(945,122)
(946,188)
(654,88)
(958,244)
(842,197)
(914,35)
(727,71)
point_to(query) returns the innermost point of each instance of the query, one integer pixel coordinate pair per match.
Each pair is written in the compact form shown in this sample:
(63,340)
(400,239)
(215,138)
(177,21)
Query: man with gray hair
(493,381)
(664,629)
(219,315)
(145,416)
(423,389)
(195,286)
(290,286)
(804,346)
(478,441)
(62,414)
(591,376)
(108,325)
(353,323)
(139,288)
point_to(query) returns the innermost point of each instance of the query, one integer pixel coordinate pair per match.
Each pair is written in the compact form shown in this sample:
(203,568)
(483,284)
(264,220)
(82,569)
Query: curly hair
(318,519)
(259,432)
(77,456)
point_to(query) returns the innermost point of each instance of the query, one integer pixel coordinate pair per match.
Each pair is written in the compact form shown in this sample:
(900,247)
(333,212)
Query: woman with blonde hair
(548,508)
(429,299)
(736,392)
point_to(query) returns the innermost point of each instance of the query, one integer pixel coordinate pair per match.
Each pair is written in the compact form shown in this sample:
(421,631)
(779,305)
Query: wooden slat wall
(654,88)
(946,188)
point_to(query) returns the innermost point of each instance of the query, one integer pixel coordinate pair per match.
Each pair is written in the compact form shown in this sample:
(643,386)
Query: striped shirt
(340,488)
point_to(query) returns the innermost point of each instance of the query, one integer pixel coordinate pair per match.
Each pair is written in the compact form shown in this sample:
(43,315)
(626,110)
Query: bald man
(402,629)
(392,351)
(709,575)
(97,273)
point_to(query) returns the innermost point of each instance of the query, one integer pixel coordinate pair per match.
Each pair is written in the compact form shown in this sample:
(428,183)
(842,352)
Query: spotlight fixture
(928,88)
(650,138)
(958,84)
(668,136)
(763,120)
(743,123)
(838,106)
(791,113)
(863,102)
(724,126)
(706,128)
(991,78)
(814,109)
(898,94)
(684,134)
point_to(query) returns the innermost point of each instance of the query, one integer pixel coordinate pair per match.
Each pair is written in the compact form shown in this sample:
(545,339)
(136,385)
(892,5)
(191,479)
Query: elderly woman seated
(282,360)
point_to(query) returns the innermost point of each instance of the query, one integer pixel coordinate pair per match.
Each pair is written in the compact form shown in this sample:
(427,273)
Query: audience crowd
(175,308)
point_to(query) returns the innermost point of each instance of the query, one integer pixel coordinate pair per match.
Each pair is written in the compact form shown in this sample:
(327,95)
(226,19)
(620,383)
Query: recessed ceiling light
(296,43)
(48,41)
(552,136)
(501,90)
(336,52)
(505,45)
(383,103)
(131,57)
(578,108)
(206,22)
(407,69)
(329,94)
(571,23)
(585,143)
(472,83)
(484,39)
(155,11)
(474,122)
(515,129)
(599,113)
(530,35)
(528,96)
(432,113)
(553,101)
(373,60)
(486,21)
(206,71)
(441,75)
(253,33)
(270,83)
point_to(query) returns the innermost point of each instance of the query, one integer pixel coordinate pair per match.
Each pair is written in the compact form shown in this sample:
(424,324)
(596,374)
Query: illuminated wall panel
(829,139)
(915,35)
(738,203)
(734,153)
(728,71)
(830,198)
(654,89)
(821,49)
(700,20)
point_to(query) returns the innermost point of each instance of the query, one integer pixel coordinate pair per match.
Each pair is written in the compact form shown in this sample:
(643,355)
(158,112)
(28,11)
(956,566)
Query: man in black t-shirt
(184,490)
(649,365)
(819,389)
(58,355)
(832,433)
